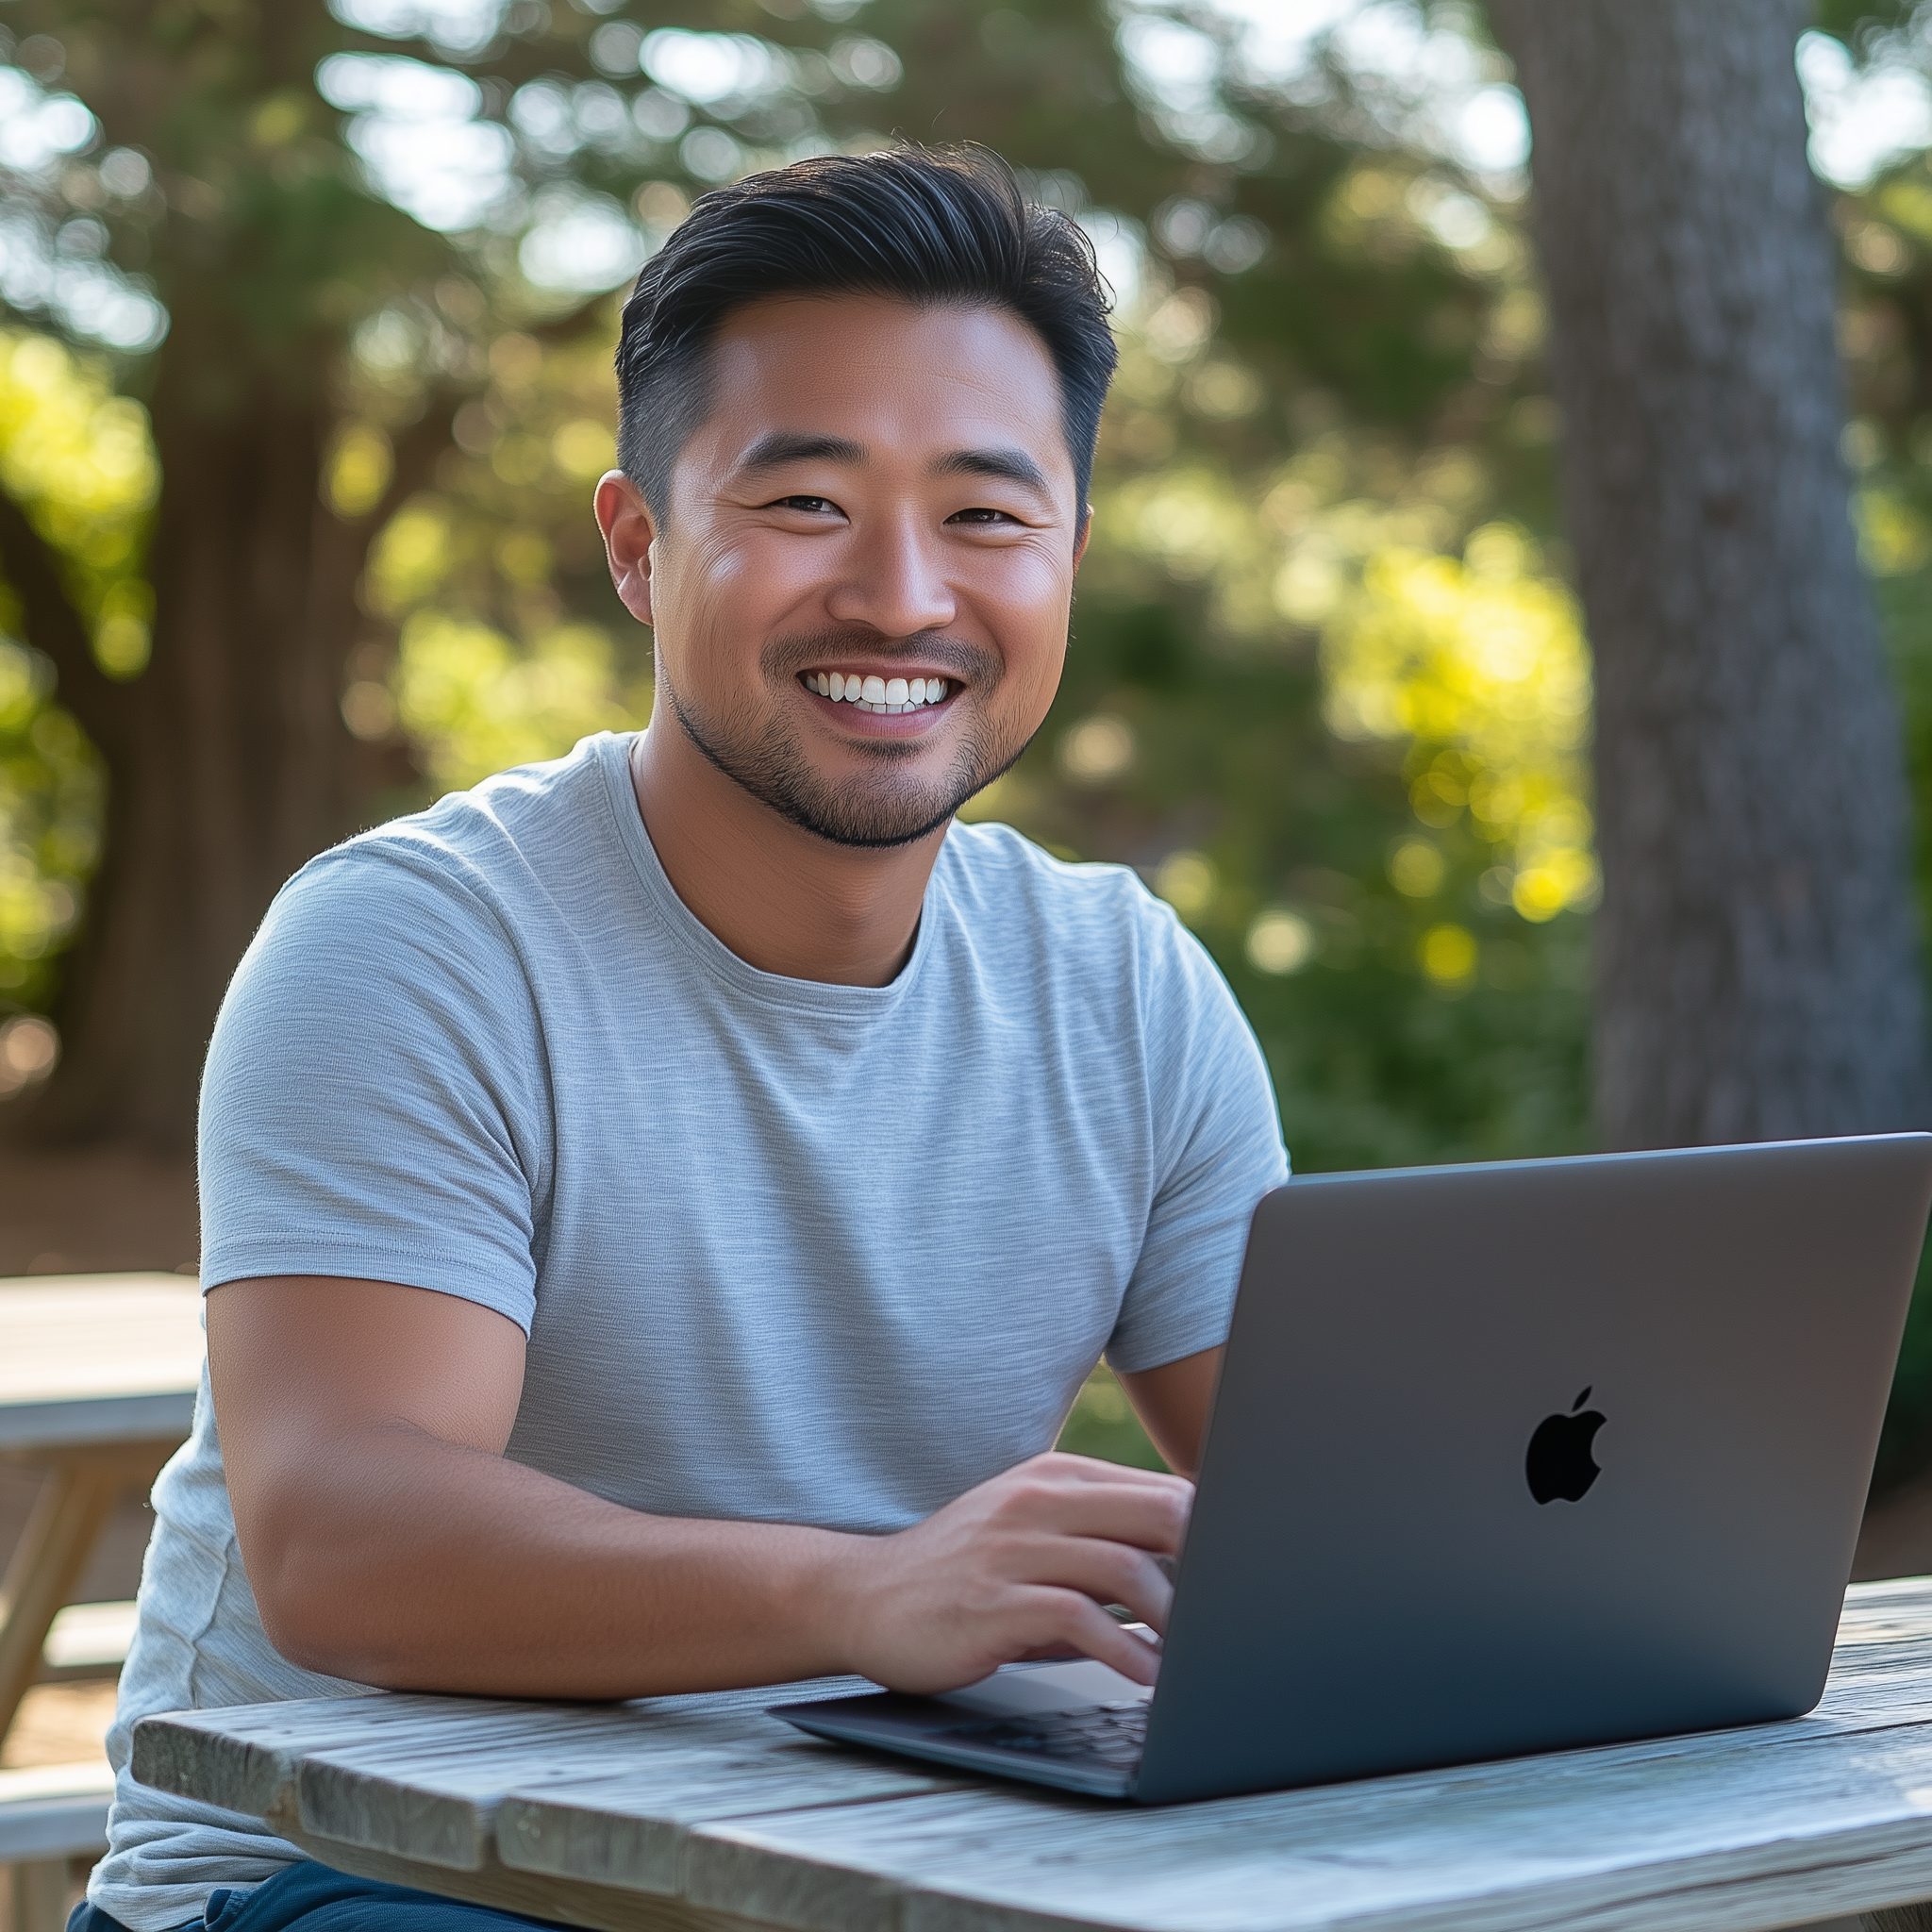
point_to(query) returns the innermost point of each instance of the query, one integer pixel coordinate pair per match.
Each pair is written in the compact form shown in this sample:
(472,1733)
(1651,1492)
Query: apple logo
(1559,1462)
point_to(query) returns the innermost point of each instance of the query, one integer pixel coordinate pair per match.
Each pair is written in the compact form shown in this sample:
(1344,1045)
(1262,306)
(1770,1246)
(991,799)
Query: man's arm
(1172,1402)
(388,1539)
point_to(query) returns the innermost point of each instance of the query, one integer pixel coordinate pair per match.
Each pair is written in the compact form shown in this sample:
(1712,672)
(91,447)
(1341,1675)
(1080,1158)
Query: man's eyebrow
(1009,465)
(779,446)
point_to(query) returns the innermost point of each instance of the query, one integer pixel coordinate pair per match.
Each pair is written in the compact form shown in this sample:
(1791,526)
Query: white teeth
(891,695)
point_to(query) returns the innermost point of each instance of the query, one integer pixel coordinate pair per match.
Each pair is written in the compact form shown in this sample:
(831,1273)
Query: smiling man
(658,1207)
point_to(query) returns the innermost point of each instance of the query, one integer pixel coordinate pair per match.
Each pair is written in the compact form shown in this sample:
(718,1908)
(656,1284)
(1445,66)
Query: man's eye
(982,516)
(812,506)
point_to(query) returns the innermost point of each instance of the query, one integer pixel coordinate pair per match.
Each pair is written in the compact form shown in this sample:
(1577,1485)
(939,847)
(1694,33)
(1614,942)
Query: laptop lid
(1381,1576)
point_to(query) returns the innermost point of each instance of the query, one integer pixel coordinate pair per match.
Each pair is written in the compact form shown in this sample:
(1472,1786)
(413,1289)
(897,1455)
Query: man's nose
(894,583)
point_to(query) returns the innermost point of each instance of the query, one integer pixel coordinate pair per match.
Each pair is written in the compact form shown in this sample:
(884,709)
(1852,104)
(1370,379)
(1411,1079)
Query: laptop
(1504,1458)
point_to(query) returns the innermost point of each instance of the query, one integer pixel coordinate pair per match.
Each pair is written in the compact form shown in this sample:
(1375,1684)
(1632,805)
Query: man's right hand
(1018,1566)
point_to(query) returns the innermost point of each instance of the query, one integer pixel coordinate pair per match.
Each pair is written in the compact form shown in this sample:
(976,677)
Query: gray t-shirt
(784,1252)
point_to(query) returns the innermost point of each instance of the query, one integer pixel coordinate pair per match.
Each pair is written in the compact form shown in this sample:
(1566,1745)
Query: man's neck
(781,898)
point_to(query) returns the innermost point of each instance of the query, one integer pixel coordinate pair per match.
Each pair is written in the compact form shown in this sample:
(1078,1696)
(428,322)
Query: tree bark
(1758,972)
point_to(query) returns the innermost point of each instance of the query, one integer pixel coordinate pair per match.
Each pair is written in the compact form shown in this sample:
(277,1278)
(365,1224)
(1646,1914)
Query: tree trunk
(228,763)
(1757,974)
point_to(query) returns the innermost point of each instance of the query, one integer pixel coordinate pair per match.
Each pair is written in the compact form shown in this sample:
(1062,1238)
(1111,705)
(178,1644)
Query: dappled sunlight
(1449,955)
(1894,533)
(29,1051)
(1479,664)
(1194,520)
(1187,881)
(484,657)
(1280,941)
(475,704)
(358,469)
(51,797)
(76,458)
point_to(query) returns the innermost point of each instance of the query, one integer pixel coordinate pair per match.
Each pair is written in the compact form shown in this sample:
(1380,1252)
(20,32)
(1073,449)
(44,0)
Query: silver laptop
(1504,1458)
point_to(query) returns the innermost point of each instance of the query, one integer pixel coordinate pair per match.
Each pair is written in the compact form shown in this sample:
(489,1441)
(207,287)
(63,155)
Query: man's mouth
(887,696)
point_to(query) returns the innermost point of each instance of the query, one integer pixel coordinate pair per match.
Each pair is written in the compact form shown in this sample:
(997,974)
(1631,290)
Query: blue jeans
(312,1898)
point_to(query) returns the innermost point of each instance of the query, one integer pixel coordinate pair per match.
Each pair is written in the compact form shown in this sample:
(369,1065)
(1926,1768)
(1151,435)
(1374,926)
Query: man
(659,1207)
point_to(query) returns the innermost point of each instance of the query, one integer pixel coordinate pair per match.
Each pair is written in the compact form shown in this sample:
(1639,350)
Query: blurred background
(305,324)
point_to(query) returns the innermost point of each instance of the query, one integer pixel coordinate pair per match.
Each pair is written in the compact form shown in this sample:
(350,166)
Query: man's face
(861,591)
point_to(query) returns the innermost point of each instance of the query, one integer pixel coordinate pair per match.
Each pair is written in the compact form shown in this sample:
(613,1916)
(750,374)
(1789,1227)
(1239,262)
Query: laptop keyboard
(1113,1734)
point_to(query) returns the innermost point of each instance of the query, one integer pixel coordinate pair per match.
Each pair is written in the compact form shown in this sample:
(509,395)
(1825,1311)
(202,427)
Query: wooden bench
(97,1381)
(48,1816)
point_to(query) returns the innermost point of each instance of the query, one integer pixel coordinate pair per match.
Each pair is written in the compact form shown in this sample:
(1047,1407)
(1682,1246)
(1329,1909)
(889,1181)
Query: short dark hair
(930,226)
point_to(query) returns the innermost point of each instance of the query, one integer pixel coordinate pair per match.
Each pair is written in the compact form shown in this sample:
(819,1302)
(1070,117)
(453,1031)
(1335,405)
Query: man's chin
(868,826)
(864,814)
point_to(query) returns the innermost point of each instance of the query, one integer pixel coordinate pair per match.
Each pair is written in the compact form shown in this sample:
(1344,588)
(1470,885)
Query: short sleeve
(374,1101)
(1218,1136)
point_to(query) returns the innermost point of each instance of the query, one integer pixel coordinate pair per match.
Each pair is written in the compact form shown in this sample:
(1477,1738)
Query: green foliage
(76,457)
(473,704)
(1103,1423)
(1885,327)
(50,808)
(1856,23)
(1906,1445)
(1898,548)
(501,641)
(1276,843)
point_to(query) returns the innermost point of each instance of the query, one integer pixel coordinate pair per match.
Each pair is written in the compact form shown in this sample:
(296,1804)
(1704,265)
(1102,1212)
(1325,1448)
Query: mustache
(971,663)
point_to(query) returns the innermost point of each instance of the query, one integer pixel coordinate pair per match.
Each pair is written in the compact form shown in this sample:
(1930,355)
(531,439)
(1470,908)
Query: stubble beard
(763,754)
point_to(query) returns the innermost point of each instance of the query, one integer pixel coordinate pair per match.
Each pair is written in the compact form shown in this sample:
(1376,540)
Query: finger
(1097,1468)
(1146,1590)
(1076,1472)
(1083,1623)
(1150,1519)
(1103,1573)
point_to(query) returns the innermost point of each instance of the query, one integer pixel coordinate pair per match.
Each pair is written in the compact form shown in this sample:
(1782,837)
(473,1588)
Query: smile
(889,695)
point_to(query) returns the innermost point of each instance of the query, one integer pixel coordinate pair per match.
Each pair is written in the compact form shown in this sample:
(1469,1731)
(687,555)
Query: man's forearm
(400,1560)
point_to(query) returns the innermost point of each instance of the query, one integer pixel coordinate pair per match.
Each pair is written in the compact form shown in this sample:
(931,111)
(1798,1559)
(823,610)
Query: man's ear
(1086,531)
(629,530)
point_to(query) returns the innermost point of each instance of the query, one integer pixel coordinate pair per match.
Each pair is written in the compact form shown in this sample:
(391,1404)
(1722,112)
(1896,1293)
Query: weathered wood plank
(630,1830)
(431,1792)
(97,1358)
(541,1896)
(422,1777)
(1666,1840)
(439,1801)
(243,1757)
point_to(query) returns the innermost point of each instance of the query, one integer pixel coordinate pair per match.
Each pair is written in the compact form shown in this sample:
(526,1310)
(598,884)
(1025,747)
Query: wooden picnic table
(97,1381)
(704,1815)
